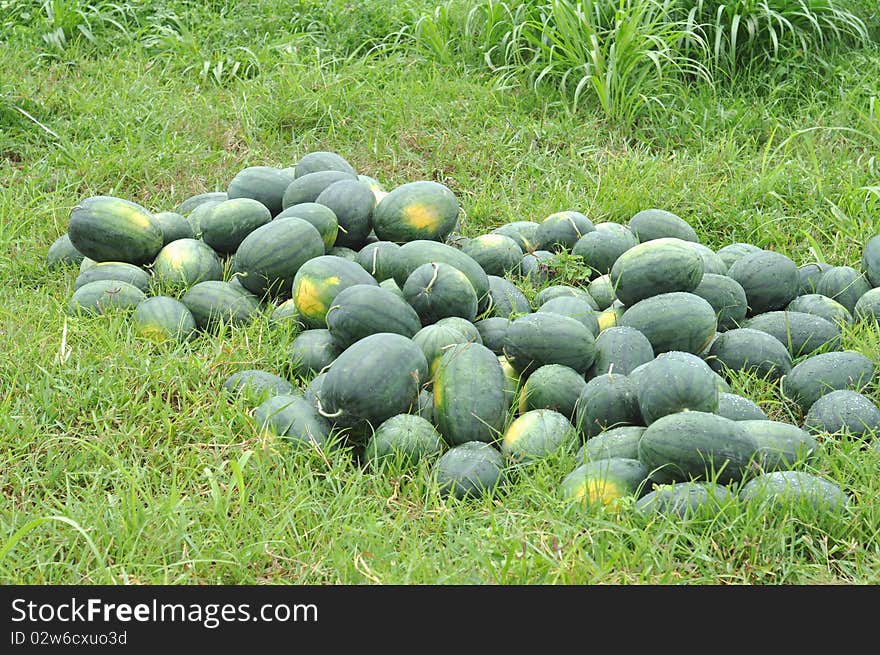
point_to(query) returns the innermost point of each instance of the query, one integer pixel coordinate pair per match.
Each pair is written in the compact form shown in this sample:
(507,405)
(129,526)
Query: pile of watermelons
(417,342)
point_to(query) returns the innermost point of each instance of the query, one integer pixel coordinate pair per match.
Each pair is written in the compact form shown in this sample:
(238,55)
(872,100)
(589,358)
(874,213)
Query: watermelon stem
(433,277)
(321,411)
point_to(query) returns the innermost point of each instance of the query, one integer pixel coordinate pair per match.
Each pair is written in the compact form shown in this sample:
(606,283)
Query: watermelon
(867,307)
(544,338)
(871,261)
(606,402)
(228,223)
(468,329)
(105,228)
(405,439)
(295,420)
(195,217)
(506,299)
(437,290)
(537,434)
(523,232)
(727,298)
(420,210)
(655,267)
(372,380)
(744,349)
(212,302)
(364,309)
(809,276)
(563,291)
(821,306)
(537,266)
(696,446)
(620,350)
(552,386)
(738,408)
(604,482)
(189,205)
(286,314)
(600,248)
(102,296)
(782,489)
(263,184)
(308,187)
(436,339)
(312,351)
(712,262)
(815,376)
(622,441)
(415,253)
(843,284)
(801,334)
(320,216)
(469,470)
(574,308)
(269,258)
(601,290)
(498,254)
(161,318)
(134,275)
(769,279)
(684,500)
(650,224)
(843,411)
(174,226)
(780,445)
(184,262)
(672,383)
(492,331)
(254,386)
(377,259)
(673,321)
(470,399)
(734,251)
(562,230)
(319,280)
(322,160)
(62,253)
(352,203)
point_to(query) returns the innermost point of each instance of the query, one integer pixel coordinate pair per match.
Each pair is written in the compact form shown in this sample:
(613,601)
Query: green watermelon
(604,482)
(744,349)
(600,248)
(212,302)
(544,338)
(815,376)
(161,318)
(620,350)
(105,228)
(770,280)
(673,321)
(62,253)
(507,300)
(650,224)
(352,203)
(311,351)
(673,383)
(437,290)
(843,284)
(498,254)
(101,296)
(843,411)
(562,230)
(364,309)
(470,399)
(184,262)
(123,271)
(607,401)
(174,226)
(552,386)
(263,184)
(256,385)
(656,267)
(727,298)
(406,439)
(322,160)
(469,470)
(317,283)
(800,489)
(321,216)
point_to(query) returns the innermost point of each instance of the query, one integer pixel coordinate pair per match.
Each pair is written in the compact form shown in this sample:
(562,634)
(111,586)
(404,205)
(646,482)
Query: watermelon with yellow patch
(105,228)
(184,262)
(416,210)
(162,318)
(470,398)
(436,339)
(605,481)
(317,283)
(537,434)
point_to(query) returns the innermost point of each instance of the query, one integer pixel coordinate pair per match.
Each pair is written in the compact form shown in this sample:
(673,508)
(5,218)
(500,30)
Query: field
(121,461)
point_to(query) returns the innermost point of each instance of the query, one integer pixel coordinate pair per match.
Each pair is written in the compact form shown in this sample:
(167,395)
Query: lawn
(122,461)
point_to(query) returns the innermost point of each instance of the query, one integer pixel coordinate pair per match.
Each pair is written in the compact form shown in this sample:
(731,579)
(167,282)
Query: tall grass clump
(623,57)
(626,58)
(751,34)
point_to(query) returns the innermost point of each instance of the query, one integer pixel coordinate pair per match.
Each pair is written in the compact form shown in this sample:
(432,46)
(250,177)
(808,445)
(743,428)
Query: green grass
(122,461)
